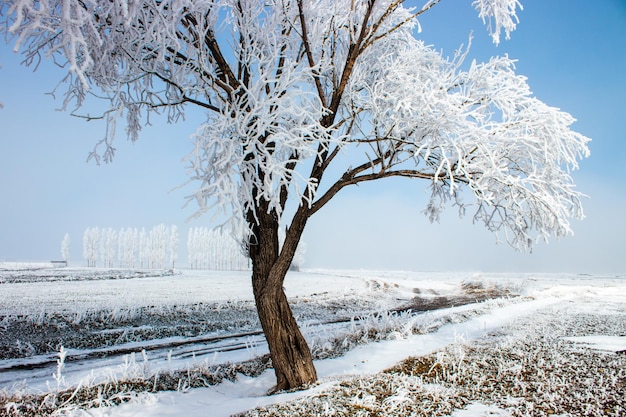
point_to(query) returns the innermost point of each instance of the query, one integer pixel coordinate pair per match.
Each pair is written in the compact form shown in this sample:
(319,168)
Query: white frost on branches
(65,248)
(498,15)
(289,85)
(480,128)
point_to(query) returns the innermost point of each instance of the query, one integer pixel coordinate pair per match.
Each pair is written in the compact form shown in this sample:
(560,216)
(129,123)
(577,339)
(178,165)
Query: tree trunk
(291,356)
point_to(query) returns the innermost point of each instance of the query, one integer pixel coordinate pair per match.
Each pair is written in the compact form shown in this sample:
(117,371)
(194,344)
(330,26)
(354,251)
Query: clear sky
(572,51)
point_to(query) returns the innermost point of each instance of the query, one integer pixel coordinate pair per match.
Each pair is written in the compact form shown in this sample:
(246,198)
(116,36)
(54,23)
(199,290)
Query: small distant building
(58,264)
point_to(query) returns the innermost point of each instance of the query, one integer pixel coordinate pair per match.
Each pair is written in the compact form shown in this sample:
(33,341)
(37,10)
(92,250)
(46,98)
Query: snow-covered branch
(498,15)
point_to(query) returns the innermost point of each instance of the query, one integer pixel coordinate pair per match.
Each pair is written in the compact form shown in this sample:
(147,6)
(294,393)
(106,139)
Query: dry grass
(119,391)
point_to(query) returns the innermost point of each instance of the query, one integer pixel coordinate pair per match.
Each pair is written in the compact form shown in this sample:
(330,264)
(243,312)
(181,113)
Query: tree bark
(291,356)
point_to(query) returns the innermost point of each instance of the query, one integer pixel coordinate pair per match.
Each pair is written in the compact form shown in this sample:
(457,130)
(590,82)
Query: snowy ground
(576,313)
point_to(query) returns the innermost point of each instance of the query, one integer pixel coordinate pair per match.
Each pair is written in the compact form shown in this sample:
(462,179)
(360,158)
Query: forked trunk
(291,356)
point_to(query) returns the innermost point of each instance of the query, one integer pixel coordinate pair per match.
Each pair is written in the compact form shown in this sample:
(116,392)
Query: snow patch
(481,410)
(600,342)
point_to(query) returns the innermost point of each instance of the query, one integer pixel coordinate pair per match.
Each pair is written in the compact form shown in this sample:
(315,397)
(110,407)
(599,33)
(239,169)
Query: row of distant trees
(157,248)
(215,249)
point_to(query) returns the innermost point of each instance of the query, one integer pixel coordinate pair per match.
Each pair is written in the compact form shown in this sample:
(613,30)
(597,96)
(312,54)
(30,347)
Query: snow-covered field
(481,344)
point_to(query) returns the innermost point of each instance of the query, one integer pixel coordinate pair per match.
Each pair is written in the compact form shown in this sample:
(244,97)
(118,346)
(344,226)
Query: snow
(375,357)
(24,265)
(482,410)
(228,398)
(190,287)
(80,292)
(601,342)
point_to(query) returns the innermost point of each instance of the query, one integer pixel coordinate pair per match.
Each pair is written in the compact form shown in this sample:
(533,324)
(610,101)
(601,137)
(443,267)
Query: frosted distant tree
(191,249)
(214,250)
(173,245)
(65,248)
(91,245)
(144,253)
(127,247)
(132,244)
(157,244)
(195,248)
(108,242)
(121,248)
(289,86)
(226,253)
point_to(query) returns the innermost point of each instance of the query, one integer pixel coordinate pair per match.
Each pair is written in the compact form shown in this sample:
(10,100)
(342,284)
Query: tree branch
(350,179)
(354,51)
(224,73)
(309,54)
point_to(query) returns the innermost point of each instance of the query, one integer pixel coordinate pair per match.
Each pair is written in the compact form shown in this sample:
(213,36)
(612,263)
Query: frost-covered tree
(108,243)
(173,245)
(132,243)
(127,247)
(192,258)
(65,248)
(91,245)
(144,253)
(215,250)
(293,89)
(121,248)
(157,246)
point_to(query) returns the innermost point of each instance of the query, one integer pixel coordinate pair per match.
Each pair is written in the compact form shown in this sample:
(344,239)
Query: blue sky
(573,53)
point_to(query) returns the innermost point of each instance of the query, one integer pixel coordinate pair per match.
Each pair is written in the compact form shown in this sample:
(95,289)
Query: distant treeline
(157,248)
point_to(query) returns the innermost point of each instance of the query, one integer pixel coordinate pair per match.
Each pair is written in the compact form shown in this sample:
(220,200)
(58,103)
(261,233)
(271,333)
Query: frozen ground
(582,318)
